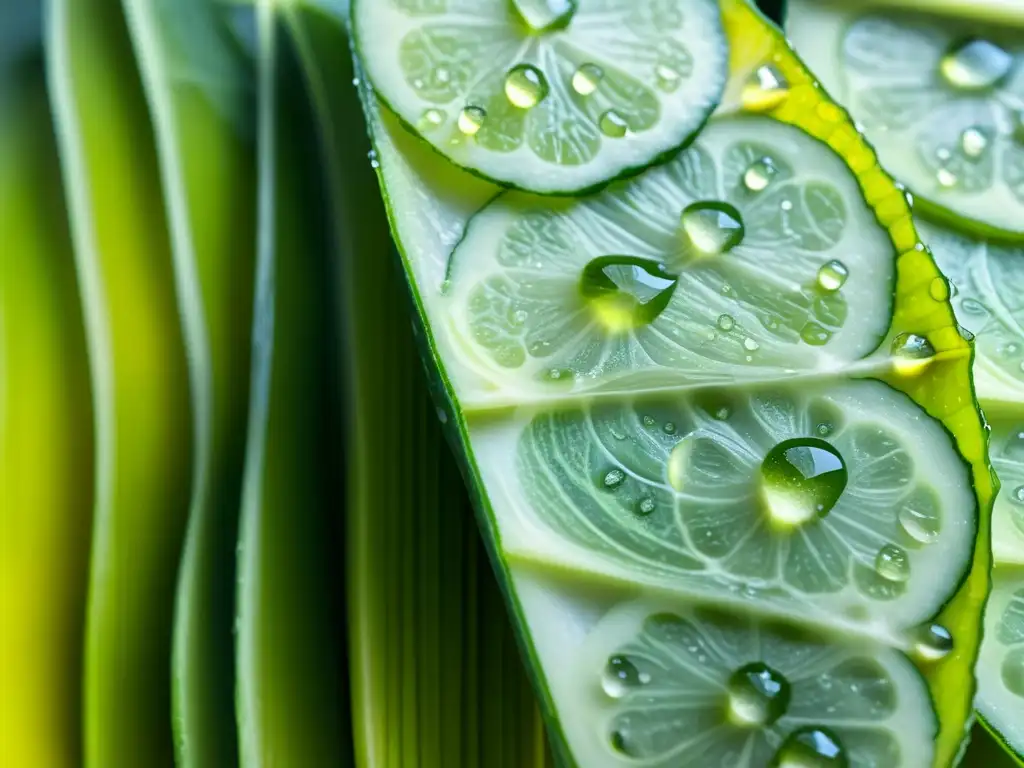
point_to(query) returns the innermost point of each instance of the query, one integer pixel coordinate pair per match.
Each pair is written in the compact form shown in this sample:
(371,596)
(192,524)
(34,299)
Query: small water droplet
(946,178)
(765,90)
(917,526)
(471,120)
(759,174)
(646,506)
(810,747)
(973,142)
(442,415)
(712,227)
(932,642)
(1017,497)
(726,322)
(613,478)
(824,429)
(667,77)
(751,345)
(525,86)
(669,428)
(620,676)
(912,353)
(832,276)
(586,79)
(626,292)
(757,696)
(939,289)
(559,374)
(892,563)
(723,413)
(801,480)
(431,119)
(975,65)
(442,75)
(545,15)
(649,421)
(816,335)
(613,125)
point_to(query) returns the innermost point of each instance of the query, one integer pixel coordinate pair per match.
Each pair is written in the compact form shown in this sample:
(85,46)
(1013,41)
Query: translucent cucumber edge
(973,590)
(628,172)
(1001,740)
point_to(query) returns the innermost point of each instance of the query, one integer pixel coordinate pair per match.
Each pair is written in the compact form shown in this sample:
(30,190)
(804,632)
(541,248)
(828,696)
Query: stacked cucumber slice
(717,415)
(942,95)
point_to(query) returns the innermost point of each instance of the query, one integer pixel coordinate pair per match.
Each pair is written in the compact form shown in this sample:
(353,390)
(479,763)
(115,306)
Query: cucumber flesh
(1001,665)
(940,98)
(552,96)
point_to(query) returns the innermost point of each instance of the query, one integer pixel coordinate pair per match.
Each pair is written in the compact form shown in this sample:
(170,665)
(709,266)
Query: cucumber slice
(989,302)
(698,497)
(576,469)
(668,684)
(940,98)
(741,259)
(553,96)
(1001,665)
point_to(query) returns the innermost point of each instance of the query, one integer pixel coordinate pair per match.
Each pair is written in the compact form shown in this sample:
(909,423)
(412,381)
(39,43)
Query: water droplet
(669,428)
(939,289)
(758,696)
(471,120)
(912,353)
(626,292)
(810,747)
(726,322)
(525,86)
(759,174)
(801,480)
(917,526)
(765,90)
(545,15)
(713,227)
(613,125)
(649,421)
(892,563)
(946,178)
(1017,497)
(519,316)
(620,741)
(586,79)
(559,374)
(372,155)
(430,119)
(973,142)
(646,506)
(975,65)
(619,677)
(832,276)
(751,345)
(824,429)
(723,413)
(932,642)
(667,77)
(613,478)
(815,335)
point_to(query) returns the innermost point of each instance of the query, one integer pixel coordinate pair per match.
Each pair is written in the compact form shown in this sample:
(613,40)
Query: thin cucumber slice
(553,96)
(1001,664)
(693,497)
(743,258)
(656,683)
(565,569)
(941,99)
(988,288)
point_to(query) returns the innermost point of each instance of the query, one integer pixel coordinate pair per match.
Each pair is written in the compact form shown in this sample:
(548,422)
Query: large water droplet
(765,90)
(545,15)
(586,79)
(973,142)
(613,125)
(832,276)
(810,747)
(759,174)
(625,291)
(892,563)
(758,696)
(975,65)
(525,86)
(713,227)
(938,289)
(471,120)
(620,676)
(801,480)
(815,334)
(932,642)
